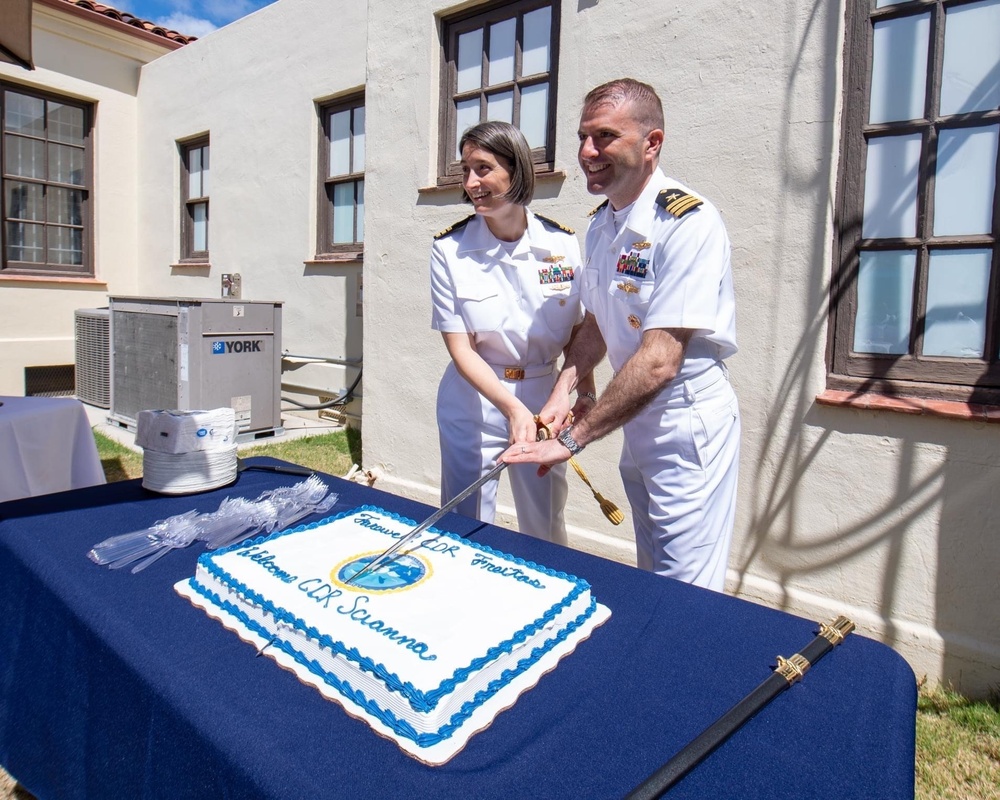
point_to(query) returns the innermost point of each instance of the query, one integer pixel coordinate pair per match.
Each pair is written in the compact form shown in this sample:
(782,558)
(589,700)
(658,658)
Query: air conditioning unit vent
(197,353)
(93,371)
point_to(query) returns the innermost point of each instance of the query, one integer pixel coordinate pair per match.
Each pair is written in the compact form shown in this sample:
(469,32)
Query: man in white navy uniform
(658,289)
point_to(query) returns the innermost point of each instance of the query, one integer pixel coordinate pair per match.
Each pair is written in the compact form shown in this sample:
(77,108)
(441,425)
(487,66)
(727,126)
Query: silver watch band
(566,440)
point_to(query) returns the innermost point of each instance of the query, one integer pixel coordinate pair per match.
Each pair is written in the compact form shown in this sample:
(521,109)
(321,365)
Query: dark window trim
(25,269)
(449,168)
(909,375)
(326,250)
(188,254)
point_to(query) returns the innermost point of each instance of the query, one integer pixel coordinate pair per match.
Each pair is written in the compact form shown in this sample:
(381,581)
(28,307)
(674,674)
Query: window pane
(899,68)
(885,301)
(535,49)
(24,157)
(65,206)
(534,114)
(65,246)
(501,66)
(196,171)
(470,60)
(466,115)
(966,180)
(957,286)
(65,124)
(340,143)
(23,114)
(24,201)
(971,77)
(65,164)
(361,211)
(359,139)
(24,242)
(500,107)
(200,228)
(343,213)
(891,187)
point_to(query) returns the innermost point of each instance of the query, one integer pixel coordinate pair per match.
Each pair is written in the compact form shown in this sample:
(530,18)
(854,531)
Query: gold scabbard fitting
(835,631)
(792,669)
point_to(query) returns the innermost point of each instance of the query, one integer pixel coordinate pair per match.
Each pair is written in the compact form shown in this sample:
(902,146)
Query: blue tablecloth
(113,686)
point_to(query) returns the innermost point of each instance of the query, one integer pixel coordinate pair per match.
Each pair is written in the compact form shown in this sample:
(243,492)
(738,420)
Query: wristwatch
(566,439)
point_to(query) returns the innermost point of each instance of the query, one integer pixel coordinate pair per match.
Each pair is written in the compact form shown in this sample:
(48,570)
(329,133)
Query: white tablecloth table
(46,445)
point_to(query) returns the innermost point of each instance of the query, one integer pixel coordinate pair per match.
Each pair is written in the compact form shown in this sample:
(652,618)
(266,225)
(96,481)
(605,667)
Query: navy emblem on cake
(403,572)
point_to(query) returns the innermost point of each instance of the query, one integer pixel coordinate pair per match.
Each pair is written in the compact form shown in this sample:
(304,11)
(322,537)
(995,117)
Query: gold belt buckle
(513,373)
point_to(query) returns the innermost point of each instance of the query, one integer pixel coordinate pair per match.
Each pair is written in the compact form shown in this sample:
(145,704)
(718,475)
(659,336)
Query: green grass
(332,453)
(958,746)
(958,740)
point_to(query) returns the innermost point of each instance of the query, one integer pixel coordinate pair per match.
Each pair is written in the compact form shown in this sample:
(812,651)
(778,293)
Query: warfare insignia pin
(628,288)
(553,259)
(641,245)
(634,321)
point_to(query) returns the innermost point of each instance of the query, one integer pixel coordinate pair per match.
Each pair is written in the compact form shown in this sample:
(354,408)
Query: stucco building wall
(253,87)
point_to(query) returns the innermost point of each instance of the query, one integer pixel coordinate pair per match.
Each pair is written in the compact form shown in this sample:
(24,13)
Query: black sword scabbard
(788,672)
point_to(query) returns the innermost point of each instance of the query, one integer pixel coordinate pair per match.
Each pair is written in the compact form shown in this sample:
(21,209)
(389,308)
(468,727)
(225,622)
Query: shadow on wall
(869,538)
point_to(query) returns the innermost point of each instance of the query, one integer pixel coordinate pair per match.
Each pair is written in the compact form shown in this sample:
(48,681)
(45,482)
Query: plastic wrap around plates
(185,452)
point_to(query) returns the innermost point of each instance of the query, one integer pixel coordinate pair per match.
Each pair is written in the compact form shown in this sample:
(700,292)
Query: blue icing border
(399,727)
(418,700)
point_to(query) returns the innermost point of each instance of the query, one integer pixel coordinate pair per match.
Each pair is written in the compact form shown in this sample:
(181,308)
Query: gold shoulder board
(457,226)
(594,211)
(554,224)
(677,202)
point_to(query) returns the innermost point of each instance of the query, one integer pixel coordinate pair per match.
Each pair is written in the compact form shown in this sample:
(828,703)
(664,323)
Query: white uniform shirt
(662,270)
(521,306)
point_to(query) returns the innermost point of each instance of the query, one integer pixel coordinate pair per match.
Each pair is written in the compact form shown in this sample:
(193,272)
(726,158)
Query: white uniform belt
(691,386)
(516,373)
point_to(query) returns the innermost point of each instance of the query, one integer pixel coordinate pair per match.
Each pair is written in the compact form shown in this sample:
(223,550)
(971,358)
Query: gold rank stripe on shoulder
(457,226)
(554,224)
(595,210)
(678,202)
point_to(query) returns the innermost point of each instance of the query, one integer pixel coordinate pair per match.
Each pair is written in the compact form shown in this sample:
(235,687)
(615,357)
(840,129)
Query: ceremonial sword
(388,553)
(788,672)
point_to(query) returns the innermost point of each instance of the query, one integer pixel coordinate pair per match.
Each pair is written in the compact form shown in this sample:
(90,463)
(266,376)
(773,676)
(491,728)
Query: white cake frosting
(380,648)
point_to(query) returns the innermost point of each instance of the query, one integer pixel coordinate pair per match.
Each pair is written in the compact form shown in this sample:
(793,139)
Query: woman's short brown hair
(508,143)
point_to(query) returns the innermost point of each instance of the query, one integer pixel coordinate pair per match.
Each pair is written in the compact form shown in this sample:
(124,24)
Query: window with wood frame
(342,180)
(195,170)
(916,288)
(45,158)
(500,64)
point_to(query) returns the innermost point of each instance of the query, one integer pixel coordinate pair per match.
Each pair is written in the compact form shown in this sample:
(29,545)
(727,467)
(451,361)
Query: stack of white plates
(184,452)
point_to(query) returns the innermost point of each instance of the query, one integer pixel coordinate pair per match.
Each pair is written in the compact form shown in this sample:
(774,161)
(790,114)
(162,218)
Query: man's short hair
(507,142)
(647,109)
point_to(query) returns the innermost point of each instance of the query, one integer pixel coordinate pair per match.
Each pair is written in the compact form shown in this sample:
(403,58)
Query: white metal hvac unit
(191,354)
(93,370)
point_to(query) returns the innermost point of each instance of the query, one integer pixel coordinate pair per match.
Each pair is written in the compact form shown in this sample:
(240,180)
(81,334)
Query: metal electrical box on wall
(197,354)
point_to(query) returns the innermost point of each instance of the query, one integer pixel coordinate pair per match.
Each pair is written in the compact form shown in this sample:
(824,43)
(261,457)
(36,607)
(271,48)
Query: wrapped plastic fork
(236,519)
(119,551)
(281,508)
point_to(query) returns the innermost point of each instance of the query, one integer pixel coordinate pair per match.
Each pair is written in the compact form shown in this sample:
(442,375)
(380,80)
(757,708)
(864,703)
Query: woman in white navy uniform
(505,289)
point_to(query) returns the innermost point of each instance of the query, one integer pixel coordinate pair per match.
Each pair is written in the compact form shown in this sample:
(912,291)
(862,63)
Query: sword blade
(387,554)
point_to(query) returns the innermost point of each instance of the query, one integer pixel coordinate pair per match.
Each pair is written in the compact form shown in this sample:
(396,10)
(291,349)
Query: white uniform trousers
(679,464)
(473,433)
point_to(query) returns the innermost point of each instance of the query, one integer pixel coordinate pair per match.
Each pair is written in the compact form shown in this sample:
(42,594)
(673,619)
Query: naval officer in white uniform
(506,297)
(658,290)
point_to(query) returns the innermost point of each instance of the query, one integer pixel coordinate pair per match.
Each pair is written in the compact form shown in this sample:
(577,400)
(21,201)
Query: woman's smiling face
(485,179)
